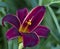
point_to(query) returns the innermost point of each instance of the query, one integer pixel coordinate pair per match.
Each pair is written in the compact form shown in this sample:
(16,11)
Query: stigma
(25,29)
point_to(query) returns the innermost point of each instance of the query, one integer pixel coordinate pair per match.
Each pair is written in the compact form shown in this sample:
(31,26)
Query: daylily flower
(26,25)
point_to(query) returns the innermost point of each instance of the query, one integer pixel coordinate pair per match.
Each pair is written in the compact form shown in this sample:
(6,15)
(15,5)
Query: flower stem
(21,46)
(54,18)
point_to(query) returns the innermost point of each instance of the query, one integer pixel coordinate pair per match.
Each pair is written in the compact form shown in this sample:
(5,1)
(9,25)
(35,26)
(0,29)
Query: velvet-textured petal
(21,14)
(30,39)
(12,20)
(42,31)
(36,16)
(12,33)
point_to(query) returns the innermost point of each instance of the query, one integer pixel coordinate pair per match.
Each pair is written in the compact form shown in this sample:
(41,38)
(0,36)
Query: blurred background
(51,20)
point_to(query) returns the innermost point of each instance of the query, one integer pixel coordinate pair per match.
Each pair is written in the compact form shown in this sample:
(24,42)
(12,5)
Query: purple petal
(36,16)
(30,39)
(12,33)
(21,14)
(42,31)
(12,20)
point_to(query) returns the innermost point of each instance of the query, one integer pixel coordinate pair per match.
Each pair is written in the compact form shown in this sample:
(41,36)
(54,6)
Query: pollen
(29,22)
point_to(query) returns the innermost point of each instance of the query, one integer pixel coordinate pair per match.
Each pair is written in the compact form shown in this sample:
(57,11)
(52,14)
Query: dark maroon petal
(21,14)
(30,39)
(42,31)
(12,20)
(12,33)
(36,16)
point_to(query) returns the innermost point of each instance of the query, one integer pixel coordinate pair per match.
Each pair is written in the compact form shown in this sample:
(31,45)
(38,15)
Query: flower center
(25,29)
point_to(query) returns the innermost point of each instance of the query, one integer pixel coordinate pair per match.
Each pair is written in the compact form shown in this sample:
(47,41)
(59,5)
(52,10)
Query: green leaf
(2,10)
(54,18)
(10,44)
(0,20)
(3,4)
(58,11)
(57,47)
(4,29)
(48,21)
(13,44)
(46,2)
(33,3)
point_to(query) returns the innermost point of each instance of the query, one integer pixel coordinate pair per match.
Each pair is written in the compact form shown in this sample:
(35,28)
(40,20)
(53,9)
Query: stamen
(20,29)
(25,29)
(29,22)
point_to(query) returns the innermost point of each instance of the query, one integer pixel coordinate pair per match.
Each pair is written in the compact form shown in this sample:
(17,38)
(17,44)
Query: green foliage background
(51,20)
